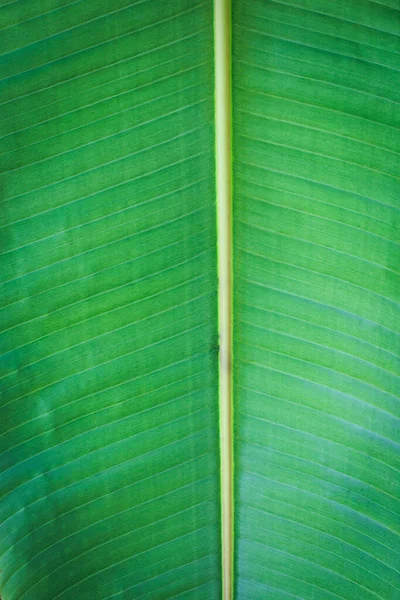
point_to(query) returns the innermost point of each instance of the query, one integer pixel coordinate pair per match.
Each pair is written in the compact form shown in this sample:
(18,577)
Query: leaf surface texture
(109,426)
(316,299)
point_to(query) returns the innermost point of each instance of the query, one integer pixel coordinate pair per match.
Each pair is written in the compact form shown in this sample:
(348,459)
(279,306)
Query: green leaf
(316,299)
(109,423)
(115,457)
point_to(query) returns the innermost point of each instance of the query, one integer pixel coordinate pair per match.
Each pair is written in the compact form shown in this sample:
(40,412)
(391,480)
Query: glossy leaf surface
(109,424)
(317,290)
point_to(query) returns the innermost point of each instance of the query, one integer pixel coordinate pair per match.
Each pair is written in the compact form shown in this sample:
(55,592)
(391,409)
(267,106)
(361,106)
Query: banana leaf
(109,418)
(316,299)
(109,249)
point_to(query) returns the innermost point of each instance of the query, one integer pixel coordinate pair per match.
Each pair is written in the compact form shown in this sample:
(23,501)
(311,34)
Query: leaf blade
(109,418)
(316,301)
